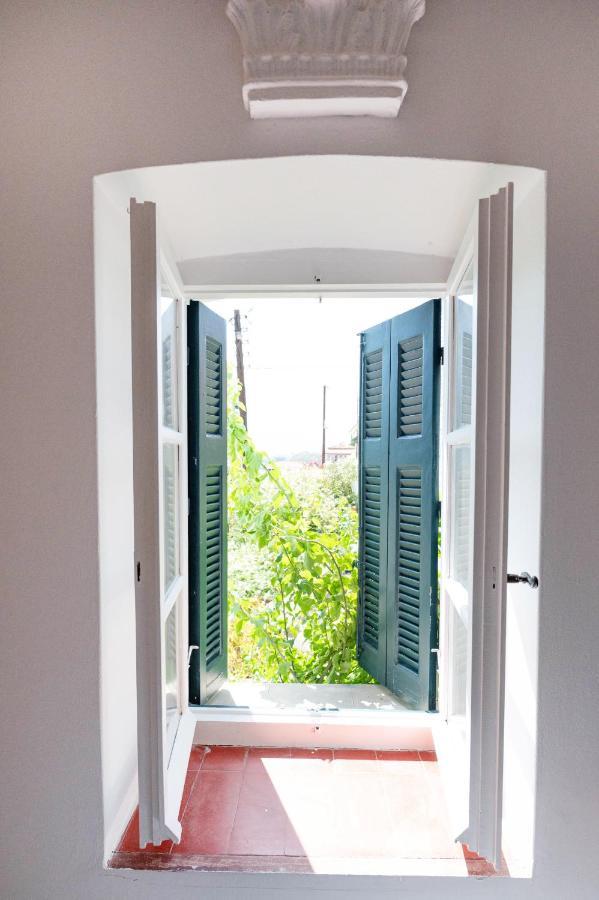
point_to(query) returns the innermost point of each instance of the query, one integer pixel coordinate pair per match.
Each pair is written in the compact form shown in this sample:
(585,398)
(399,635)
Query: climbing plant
(292,568)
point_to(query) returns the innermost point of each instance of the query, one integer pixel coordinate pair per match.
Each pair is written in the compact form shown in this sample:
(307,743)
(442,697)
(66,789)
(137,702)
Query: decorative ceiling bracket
(324,57)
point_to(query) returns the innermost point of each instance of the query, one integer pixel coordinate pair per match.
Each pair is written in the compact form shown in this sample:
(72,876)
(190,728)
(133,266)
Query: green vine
(293,579)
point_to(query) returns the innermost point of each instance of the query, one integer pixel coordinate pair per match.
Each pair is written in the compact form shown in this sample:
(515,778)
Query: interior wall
(91,88)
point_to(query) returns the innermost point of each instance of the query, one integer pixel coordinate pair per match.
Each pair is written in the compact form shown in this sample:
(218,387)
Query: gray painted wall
(91,88)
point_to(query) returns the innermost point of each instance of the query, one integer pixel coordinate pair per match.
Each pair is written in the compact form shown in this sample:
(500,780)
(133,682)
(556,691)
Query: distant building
(343,451)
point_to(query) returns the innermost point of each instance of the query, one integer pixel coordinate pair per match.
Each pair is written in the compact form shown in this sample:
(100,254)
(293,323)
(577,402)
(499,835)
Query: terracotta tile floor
(325,811)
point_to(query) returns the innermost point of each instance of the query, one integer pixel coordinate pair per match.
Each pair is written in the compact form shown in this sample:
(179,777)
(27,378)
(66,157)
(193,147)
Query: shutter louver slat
(461,515)
(214,563)
(169,488)
(410,363)
(167,382)
(373,468)
(213,386)
(466,378)
(408,570)
(371,556)
(373,393)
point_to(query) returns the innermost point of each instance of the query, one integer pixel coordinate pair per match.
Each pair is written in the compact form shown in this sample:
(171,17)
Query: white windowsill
(365,717)
(357,729)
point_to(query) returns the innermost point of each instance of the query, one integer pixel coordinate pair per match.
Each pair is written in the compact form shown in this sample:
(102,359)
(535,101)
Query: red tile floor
(325,811)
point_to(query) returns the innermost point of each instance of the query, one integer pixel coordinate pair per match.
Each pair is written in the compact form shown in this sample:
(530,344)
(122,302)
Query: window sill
(359,729)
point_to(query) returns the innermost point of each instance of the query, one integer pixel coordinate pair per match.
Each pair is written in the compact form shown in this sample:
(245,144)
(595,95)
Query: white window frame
(160,792)
(472,762)
(178,590)
(451,438)
(162,762)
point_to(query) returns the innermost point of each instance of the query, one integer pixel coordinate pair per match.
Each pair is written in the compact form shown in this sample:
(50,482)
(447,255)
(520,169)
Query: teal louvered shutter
(373,468)
(207,436)
(398,503)
(412,555)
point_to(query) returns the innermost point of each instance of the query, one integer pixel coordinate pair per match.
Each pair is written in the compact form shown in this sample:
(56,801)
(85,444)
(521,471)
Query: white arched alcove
(344,220)
(357,223)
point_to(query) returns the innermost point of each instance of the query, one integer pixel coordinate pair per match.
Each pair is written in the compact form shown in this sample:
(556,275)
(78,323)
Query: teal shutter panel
(207,440)
(373,469)
(398,503)
(412,563)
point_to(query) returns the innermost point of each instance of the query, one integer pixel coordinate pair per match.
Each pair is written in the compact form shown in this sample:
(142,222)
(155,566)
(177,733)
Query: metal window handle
(524,578)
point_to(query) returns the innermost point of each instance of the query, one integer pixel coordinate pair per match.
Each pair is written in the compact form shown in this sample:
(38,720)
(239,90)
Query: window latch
(524,578)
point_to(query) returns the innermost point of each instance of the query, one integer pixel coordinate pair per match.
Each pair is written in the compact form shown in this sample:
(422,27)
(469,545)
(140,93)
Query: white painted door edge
(471,764)
(162,765)
(491,484)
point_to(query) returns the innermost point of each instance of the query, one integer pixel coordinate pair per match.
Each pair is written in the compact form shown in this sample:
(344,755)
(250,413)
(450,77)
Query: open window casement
(165,727)
(399,509)
(474,532)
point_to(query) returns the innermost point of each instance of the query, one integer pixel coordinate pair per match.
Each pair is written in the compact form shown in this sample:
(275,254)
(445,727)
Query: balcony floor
(322,811)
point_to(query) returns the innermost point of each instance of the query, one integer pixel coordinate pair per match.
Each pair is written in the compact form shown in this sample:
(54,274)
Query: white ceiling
(212,209)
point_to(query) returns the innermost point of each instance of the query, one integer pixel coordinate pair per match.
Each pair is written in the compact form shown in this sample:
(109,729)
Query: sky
(292,347)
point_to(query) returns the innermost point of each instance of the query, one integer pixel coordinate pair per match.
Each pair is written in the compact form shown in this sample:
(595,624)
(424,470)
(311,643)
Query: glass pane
(168,329)
(170,492)
(171,683)
(459,564)
(463,351)
(458,642)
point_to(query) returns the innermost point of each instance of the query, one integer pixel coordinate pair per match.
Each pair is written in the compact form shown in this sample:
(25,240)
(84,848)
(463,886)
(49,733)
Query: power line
(323,454)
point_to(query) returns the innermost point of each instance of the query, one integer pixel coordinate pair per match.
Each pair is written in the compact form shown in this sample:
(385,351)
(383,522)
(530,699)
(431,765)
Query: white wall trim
(368,717)
(279,291)
(120,820)
(310,58)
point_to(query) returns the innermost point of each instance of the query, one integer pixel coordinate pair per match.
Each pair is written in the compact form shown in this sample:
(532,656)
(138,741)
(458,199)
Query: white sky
(291,349)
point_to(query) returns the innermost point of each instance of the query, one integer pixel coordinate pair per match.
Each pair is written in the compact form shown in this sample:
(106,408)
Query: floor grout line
(241,783)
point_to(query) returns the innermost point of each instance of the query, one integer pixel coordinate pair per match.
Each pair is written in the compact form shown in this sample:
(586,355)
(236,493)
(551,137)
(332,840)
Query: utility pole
(323,454)
(240,369)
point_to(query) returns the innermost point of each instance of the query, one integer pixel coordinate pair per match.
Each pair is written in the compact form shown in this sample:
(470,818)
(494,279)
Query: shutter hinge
(188,355)
(441,355)
(138,571)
